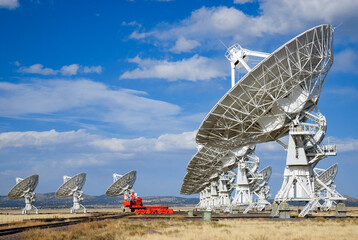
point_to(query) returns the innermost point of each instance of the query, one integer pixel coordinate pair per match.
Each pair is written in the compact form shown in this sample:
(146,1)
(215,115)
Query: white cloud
(81,141)
(277,17)
(38,69)
(84,99)
(70,69)
(243,1)
(192,69)
(92,69)
(67,70)
(184,45)
(10,4)
(344,91)
(41,139)
(346,61)
(344,145)
(133,23)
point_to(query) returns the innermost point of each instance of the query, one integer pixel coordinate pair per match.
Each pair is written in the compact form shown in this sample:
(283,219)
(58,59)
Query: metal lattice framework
(260,106)
(207,164)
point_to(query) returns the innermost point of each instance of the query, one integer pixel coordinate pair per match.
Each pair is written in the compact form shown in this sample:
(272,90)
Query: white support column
(233,80)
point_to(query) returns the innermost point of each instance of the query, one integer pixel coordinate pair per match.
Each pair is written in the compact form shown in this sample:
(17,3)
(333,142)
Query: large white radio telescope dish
(259,108)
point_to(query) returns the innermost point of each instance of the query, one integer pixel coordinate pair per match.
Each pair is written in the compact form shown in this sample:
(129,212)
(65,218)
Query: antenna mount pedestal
(29,200)
(304,151)
(77,202)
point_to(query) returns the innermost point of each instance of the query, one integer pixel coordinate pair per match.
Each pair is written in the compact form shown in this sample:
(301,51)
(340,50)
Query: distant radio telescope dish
(72,187)
(326,177)
(121,183)
(25,188)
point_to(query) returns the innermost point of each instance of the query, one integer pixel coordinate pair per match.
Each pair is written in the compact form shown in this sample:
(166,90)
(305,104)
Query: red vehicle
(135,204)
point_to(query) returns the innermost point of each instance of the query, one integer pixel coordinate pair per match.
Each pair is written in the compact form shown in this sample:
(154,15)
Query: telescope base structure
(77,202)
(299,177)
(243,196)
(29,200)
(260,203)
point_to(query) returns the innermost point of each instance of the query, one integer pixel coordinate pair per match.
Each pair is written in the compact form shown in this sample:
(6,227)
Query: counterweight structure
(276,98)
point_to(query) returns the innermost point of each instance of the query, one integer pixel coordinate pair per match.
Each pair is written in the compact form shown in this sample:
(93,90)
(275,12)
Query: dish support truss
(30,198)
(218,194)
(250,190)
(304,151)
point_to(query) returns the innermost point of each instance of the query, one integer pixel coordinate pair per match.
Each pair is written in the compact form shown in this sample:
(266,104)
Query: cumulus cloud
(80,140)
(231,24)
(70,69)
(344,91)
(346,61)
(38,69)
(184,45)
(9,4)
(42,139)
(133,23)
(243,1)
(344,145)
(85,99)
(67,70)
(192,69)
(92,69)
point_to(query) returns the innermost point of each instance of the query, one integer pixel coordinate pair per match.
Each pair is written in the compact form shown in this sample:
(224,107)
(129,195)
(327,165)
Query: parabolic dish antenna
(278,97)
(122,184)
(25,188)
(326,177)
(72,187)
(260,107)
(69,186)
(26,185)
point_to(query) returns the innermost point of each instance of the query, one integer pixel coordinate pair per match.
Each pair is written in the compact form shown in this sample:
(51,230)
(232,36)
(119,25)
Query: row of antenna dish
(72,187)
(276,98)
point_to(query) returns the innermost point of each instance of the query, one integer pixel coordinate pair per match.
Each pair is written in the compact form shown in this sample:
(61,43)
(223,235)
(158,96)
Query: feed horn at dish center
(276,98)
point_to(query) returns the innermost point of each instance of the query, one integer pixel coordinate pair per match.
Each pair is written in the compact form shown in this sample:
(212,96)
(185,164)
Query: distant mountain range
(48,200)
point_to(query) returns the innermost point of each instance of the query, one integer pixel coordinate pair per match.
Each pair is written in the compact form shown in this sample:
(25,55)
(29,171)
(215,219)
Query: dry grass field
(14,218)
(177,228)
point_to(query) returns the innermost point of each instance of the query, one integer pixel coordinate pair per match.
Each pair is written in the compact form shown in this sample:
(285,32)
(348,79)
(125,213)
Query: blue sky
(88,86)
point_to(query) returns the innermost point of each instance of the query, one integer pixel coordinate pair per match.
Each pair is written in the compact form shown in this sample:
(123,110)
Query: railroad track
(131,216)
(62,223)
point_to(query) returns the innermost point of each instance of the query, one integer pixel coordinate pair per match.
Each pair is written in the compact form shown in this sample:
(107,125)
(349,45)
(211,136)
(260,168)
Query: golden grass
(13,216)
(226,229)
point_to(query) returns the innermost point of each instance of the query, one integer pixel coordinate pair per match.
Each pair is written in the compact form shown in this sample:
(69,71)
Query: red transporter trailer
(135,204)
